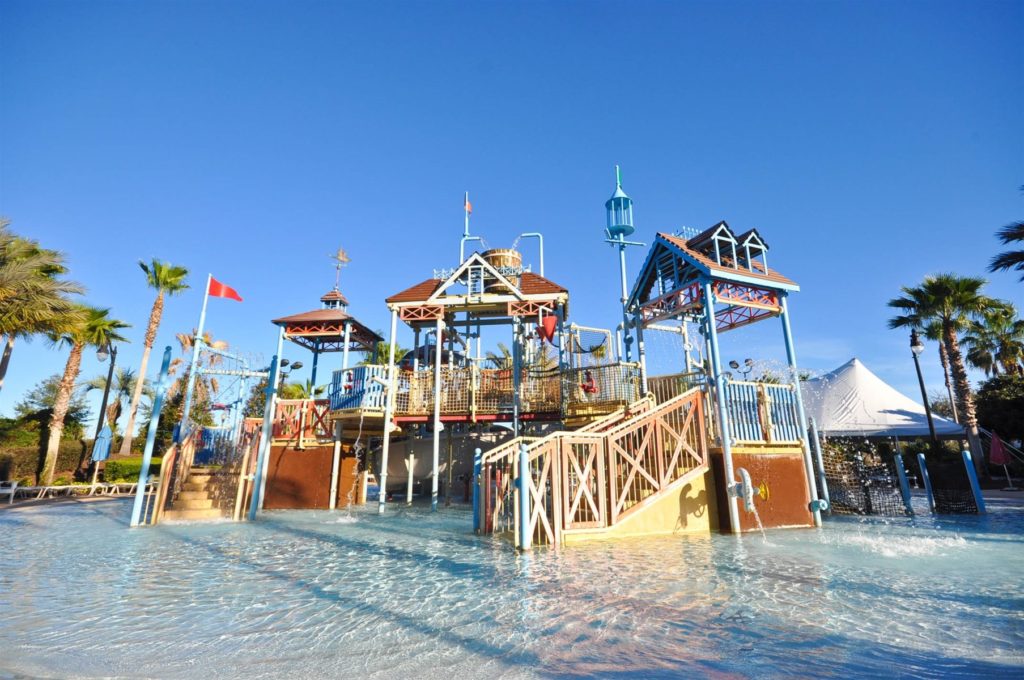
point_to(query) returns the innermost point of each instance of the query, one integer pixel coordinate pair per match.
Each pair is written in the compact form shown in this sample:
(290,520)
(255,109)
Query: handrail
(587,480)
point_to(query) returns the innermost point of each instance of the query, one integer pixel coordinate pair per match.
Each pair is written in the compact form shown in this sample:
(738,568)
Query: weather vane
(341,259)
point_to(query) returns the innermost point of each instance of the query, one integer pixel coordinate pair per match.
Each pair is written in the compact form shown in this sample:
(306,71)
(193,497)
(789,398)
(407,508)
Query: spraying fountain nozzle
(745,490)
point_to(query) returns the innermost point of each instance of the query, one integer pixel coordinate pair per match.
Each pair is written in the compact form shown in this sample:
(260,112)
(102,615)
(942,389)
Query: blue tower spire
(620,210)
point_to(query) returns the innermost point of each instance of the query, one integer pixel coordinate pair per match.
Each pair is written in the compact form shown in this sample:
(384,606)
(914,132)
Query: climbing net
(860,482)
(951,488)
(589,347)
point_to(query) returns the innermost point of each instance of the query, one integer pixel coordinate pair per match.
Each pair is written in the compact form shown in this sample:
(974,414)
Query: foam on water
(410,593)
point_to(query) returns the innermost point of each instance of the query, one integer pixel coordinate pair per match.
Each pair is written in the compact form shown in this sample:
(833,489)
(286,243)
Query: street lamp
(916,347)
(102,354)
(749,363)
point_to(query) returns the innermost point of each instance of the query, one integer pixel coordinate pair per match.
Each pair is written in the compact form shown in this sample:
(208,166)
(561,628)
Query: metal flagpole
(196,342)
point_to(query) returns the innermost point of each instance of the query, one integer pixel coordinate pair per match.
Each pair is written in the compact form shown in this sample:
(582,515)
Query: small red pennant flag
(218,289)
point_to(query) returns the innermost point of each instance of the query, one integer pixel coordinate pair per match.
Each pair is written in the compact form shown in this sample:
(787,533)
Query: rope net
(951,489)
(860,484)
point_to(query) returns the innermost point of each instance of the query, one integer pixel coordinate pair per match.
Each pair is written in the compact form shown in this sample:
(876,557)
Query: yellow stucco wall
(686,509)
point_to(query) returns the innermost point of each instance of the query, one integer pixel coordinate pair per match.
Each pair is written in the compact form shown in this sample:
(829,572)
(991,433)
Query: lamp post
(619,210)
(916,347)
(101,354)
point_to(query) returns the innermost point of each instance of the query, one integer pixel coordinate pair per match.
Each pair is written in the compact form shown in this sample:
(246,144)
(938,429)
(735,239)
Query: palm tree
(933,331)
(121,389)
(33,297)
(97,329)
(996,342)
(1010,259)
(503,359)
(952,301)
(166,279)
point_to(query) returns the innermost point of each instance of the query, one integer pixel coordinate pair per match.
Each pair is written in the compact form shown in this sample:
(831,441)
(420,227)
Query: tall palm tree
(166,279)
(997,341)
(933,331)
(98,330)
(33,296)
(1010,259)
(952,301)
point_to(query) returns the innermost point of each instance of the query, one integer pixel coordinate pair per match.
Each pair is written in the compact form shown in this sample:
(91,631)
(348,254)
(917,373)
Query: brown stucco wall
(788,496)
(301,480)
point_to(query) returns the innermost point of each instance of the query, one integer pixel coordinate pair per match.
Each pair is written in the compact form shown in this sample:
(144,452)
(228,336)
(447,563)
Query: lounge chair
(10,489)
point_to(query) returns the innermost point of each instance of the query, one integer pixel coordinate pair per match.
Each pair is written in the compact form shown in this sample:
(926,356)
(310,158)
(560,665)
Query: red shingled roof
(421,292)
(535,284)
(334,295)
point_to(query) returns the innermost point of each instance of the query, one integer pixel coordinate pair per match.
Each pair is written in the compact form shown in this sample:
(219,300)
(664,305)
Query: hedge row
(24,463)
(127,469)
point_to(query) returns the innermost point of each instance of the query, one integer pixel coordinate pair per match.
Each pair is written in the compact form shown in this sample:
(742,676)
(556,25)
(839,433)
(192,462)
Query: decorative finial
(618,177)
(341,259)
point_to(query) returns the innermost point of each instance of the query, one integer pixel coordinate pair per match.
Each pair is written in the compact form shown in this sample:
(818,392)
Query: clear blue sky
(871,143)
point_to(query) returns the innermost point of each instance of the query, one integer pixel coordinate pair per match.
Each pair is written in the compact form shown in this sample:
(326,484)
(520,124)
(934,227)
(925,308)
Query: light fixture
(103,353)
(916,346)
(734,364)
(297,365)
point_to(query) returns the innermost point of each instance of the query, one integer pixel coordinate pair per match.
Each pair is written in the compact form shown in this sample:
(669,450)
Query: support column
(517,377)
(263,453)
(389,414)
(927,480)
(627,339)
(787,333)
(448,483)
(816,443)
(723,412)
(335,466)
(901,473)
(477,467)
(147,454)
(641,351)
(560,330)
(416,349)
(525,539)
(344,349)
(312,371)
(437,414)
(411,464)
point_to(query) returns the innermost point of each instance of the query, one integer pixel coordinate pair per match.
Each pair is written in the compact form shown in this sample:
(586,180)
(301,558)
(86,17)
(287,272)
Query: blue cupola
(620,211)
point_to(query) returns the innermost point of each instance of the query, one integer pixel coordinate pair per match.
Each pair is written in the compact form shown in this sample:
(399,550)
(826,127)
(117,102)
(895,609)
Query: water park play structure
(563,437)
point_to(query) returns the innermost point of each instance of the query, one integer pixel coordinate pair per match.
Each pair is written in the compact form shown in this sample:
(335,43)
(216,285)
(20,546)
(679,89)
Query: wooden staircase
(640,471)
(196,500)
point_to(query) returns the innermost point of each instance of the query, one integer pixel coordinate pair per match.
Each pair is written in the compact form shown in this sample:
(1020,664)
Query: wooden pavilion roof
(323,330)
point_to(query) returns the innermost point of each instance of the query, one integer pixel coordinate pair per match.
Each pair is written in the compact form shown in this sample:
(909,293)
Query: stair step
(193,503)
(199,478)
(193,495)
(207,513)
(194,486)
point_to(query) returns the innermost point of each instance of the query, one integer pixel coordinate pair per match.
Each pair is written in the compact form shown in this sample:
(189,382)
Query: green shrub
(127,469)
(20,462)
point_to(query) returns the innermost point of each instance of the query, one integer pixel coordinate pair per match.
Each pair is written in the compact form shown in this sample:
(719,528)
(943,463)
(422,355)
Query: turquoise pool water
(316,594)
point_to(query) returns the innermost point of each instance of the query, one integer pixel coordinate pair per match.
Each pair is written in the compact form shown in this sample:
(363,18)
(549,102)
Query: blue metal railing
(762,412)
(356,388)
(784,419)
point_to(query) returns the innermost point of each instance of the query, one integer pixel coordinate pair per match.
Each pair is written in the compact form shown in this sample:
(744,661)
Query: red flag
(218,289)
(997,452)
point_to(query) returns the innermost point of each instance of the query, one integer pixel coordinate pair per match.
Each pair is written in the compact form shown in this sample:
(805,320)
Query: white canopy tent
(851,401)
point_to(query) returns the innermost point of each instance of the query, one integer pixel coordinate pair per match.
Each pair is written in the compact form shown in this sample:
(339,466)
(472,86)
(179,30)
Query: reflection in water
(413,593)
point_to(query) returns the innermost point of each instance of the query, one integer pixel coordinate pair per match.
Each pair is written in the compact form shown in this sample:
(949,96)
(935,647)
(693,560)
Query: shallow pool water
(319,594)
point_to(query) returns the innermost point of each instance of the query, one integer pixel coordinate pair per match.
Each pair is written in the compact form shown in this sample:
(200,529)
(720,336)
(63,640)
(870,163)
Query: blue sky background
(871,143)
